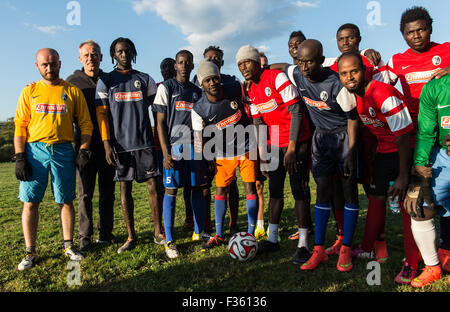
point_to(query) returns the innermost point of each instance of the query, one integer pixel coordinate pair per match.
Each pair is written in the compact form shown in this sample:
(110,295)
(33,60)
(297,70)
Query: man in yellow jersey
(43,144)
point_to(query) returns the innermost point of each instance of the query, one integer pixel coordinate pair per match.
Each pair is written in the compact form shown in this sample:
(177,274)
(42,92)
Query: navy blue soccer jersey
(225,116)
(224,79)
(126,96)
(328,102)
(176,101)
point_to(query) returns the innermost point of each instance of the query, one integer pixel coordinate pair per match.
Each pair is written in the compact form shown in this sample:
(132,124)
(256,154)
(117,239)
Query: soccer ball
(243,246)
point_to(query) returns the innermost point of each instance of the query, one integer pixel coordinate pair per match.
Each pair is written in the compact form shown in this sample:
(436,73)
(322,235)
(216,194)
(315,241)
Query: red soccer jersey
(270,99)
(371,71)
(384,111)
(415,69)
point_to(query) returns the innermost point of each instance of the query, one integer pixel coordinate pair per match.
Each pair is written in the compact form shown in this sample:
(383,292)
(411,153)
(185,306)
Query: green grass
(147,269)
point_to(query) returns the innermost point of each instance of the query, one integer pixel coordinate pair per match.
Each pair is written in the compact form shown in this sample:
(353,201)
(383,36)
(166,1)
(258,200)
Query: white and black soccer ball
(243,246)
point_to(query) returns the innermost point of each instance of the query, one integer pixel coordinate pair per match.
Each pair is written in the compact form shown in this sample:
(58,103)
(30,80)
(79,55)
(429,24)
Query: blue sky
(159,28)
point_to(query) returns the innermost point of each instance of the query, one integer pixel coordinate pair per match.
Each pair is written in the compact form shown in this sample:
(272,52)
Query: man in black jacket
(86,79)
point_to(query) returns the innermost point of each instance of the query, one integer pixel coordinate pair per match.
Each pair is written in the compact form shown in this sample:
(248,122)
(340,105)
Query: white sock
(273,233)
(424,233)
(303,238)
(259,224)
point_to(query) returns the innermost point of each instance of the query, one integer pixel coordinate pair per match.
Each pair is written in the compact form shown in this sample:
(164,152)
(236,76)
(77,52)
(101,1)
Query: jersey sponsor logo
(317,104)
(229,121)
(51,108)
(436,60)
(324,96)
(267,107)
(445,122)
(420,77)
(183,106)
(368,121)
(128,96)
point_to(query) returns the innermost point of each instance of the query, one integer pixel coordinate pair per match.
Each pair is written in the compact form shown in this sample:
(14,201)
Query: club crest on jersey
(195,97)
(137,84)
(233,104)
(268,91)
(64,97)
(445,122)
(324,96)
(436,60)
(372,112)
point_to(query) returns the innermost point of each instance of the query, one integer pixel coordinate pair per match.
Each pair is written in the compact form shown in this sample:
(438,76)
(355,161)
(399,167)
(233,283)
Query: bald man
(43,143)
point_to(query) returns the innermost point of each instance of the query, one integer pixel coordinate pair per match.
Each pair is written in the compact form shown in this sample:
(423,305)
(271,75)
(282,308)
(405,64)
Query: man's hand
(290,161)
(399,188)
(83,158)
(23,167)
(110,155)
(168,162)
(410,202)
(374,57)
(263,167)
(441,73)
(446,142)
(350,165)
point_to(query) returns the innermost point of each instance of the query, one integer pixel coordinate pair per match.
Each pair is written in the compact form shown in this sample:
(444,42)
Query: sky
(160,28)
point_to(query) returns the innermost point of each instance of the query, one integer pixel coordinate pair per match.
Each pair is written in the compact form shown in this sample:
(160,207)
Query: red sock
(412,253)
(375,221)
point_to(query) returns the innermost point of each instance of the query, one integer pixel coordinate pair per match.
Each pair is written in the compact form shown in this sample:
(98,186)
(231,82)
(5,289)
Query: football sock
(351,212)
(273,233)
(260,224)
(199,209)
(220,208)
(68,243)
(31,249)
(321,215)
(302,238)
(412,253)
(445,232)
(252,212)
(375,222)
(169,215)
(425,236)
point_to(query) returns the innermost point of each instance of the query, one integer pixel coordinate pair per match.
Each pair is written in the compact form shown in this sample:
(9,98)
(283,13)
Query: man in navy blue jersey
(173,105)
(123,97)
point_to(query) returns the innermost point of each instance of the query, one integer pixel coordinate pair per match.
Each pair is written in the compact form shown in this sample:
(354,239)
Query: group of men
(339,119)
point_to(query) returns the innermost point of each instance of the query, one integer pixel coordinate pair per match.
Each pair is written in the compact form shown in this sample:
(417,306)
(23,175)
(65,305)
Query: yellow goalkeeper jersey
(45,113)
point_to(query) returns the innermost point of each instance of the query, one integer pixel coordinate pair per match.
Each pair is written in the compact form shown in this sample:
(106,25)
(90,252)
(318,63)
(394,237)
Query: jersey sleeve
(426,126)
(197,121)
(286,89)
(346,100)
(389,72)
(151,89)
(23,113)
(162,100)
(397,115)
(82,113)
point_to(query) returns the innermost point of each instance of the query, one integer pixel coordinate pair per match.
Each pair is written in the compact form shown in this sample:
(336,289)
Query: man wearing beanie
(275,102)
(222,112)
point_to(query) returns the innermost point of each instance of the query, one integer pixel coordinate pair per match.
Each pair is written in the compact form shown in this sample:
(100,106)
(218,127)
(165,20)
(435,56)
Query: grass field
(147,269)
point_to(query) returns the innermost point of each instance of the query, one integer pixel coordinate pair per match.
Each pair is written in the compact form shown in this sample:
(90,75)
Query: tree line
(6,140)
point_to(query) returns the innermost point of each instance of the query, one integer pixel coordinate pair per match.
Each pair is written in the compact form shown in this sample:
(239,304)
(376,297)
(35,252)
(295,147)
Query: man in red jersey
(423,61)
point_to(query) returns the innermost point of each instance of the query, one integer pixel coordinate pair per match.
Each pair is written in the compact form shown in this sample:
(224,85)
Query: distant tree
(6,140)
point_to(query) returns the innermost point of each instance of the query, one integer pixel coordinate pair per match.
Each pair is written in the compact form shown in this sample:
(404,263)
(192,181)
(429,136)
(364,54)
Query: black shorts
(329,150)
(139,165)
(298,180)
(385,169)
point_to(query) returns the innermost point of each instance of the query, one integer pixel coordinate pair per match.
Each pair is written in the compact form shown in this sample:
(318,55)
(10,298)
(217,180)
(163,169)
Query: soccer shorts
(441,180)
(186,171)
(366,145)
(297,179)
(56,159)
(329,150)
(226,170)
(139,165)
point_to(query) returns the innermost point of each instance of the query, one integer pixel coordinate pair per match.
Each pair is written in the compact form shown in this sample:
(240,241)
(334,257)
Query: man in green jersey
(431,194)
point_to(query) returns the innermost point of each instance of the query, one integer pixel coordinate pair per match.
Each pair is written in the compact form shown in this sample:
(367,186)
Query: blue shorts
(56,159)
(187,171)
(441,179)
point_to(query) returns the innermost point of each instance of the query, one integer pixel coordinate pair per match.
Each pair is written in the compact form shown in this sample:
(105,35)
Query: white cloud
(229,24)
(50,29)
(304,4)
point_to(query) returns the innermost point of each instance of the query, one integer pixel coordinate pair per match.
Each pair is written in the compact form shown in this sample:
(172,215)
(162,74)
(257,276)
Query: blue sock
(321,215)
(220,208)
(252,212)
(199,210)
(169,215)
(350,217)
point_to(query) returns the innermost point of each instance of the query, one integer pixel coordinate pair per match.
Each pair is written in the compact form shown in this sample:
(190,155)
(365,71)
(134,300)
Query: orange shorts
(226,170)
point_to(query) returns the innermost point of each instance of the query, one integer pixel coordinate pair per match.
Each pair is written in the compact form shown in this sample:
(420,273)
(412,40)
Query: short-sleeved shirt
(176,100)
(270,99)
(372,72)
(415,69)
(126,95)
(225,115)
(328,102)
(383,110)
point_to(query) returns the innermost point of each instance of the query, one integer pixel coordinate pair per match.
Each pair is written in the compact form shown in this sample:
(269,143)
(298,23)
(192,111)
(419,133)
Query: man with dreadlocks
(123,97)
